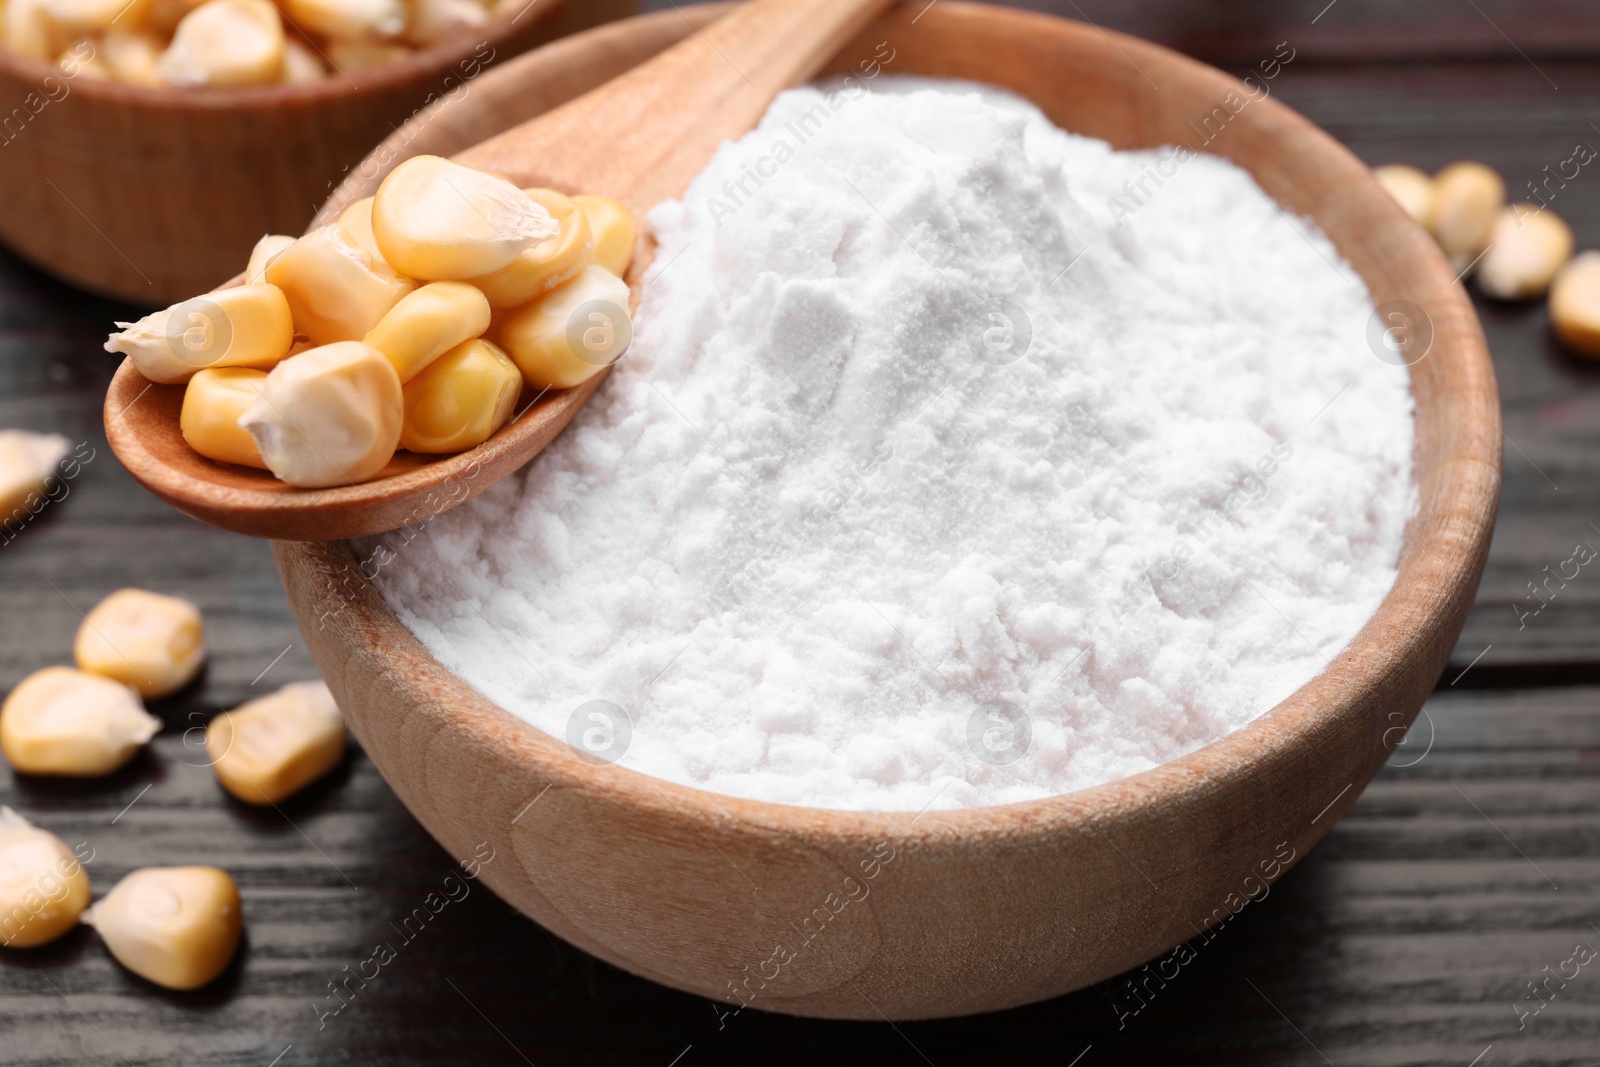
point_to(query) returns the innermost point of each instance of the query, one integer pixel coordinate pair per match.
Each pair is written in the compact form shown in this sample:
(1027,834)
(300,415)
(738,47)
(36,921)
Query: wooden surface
(1405,938)
(995,907)
(647,127)
(156,195)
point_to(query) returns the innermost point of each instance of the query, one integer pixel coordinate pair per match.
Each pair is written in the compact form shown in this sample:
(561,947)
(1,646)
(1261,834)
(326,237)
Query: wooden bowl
(864,916)
(156,195)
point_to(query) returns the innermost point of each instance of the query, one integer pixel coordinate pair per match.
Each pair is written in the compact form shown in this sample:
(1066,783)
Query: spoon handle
(643,136)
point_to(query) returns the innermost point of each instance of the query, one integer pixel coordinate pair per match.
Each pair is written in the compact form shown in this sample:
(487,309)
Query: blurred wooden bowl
(864,916)
(155,195)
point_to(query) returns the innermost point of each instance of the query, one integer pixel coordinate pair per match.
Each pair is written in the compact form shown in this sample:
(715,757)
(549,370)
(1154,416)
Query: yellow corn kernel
(273,747)
(1467,198)
(427,323)
(1575,305)
(357,222)
(1530,244)
(213,402)
(1410,187)
(330,416)
(572,332)
(43,887)
(336,290)
(27,29)
(82,17)
(131,55)
(28,461)
(349,19)
(548,263)
(176,926)
(245,326)
(225,42)
(301,66)
(611,225)
(81,61)
(64,722)
(440,221)
(461,399)
(263,253)
(152,643)
(433,21)
(353,56)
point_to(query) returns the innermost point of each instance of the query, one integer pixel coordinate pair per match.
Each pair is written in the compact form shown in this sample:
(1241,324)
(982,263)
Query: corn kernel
(213,402)
(27,463)
(225,42)
(548,263)
(273,747)
(176,926)
(28,29)
(433,21)
(245,326)
(571,333)
(612,229)
(354,56)
(1467,198)
(330,416)
(1529,246)
(1410,187)
(263,253)
(351,19)
(427,323)
(1575,305)
(461,399)
(357,222)
(59,721)
(81,61)
(440,221)
(152,643)
(301,66)
(132,56)
(336,290)
(43,887)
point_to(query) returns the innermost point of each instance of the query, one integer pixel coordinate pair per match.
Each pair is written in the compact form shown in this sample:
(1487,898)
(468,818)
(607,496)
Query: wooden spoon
(640,138)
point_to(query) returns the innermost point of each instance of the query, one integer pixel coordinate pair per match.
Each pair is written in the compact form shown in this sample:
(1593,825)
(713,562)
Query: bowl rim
(432,59)
(1451,527)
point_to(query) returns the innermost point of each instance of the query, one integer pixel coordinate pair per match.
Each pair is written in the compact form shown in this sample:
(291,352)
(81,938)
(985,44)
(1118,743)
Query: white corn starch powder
(927,481)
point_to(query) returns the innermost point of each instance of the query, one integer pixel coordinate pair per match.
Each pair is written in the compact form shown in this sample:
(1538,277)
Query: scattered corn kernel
(571,333)
(273,747)
(461,399)
(1575,304)
(440,221)
(1467,198)
(131,56)
(612,229)
(349,19)
(27,463)
(301,66)
(548,263)
(64,722)
(330,416)
(225,42)
(213,402)
(427,323)
(357,222)
(149,642)
(263,253)
(43,887)
(433,21)
(1410,187)
(176,926)
(1530,244)
(245,326)
(336,290)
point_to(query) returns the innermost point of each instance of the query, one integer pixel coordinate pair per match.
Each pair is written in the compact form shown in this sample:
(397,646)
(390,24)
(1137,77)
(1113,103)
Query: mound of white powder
(945,469)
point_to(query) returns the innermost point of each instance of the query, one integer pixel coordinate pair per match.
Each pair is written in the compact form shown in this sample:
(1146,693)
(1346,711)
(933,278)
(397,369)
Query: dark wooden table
(1470,866)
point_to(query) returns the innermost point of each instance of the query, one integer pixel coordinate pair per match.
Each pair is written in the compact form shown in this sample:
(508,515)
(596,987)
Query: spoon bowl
(640,138)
